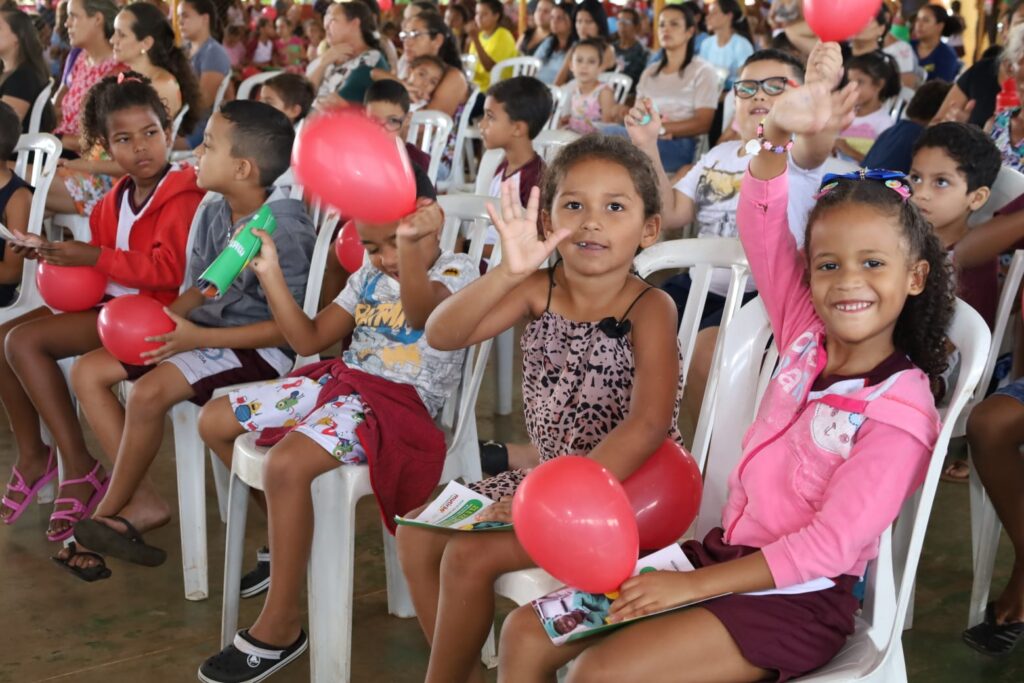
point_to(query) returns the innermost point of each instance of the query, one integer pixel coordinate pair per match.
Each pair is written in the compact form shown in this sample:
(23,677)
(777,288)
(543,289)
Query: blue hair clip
(894,180)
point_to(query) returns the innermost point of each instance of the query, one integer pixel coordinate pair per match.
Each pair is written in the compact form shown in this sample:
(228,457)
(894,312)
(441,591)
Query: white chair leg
(234,543)
(489,655)
(331,567)
(503,349)
(191,466)
(221,477)
(399,600)
(985,530)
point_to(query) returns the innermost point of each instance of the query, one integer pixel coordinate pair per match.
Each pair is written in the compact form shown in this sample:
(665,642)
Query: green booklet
(456,509)
(241,250)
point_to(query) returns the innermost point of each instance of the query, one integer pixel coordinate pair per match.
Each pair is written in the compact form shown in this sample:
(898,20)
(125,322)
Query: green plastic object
(241,250)
(900,33)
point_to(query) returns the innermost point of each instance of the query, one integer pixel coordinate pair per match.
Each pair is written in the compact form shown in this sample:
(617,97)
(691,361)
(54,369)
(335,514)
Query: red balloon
(126,321)
(349,248)
(665,494)
(835,20)
(353,164)
(385,5)
(574,520)
(70,288)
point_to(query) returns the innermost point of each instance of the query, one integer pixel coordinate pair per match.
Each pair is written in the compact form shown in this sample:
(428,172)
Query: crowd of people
(730,118)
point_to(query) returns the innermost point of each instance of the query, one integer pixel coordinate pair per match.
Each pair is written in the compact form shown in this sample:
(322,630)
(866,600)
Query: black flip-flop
(493,457)
(128,546)
(990,638)
(87,574)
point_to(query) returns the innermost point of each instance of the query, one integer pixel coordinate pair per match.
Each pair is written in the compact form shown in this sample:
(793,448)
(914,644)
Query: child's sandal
(990,638)
(28,492)
(77,510)
(247,660)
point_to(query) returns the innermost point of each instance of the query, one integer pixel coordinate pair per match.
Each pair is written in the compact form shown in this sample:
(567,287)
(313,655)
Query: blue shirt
(211,56)
(729,57)
(941,63)
(551,60)
(894,148)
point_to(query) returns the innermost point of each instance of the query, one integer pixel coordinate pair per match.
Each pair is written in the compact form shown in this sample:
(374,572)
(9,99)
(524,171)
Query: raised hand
(426,220)
(643,123)
(808,109)
(522,249)
(825,63)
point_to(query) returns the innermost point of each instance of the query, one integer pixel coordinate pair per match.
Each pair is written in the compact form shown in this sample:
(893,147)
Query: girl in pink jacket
(841,440)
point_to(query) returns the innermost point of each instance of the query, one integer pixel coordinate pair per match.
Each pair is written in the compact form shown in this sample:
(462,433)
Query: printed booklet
(456,509)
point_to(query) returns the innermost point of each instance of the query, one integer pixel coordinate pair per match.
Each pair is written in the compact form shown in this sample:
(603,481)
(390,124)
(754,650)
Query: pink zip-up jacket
(822,473)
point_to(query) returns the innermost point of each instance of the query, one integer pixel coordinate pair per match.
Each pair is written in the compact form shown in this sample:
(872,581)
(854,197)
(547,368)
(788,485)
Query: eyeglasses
(772,87)
(409,35)
(392,124)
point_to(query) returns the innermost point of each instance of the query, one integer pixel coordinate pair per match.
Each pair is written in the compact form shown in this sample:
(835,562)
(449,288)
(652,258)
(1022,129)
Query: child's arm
(643,124)
(94,166)
(609,108)
(503,296)
(420,296)
(990,239)
(812,148)
(16,215)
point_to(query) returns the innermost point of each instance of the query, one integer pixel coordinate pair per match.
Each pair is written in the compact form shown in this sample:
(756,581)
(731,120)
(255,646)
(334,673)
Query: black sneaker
(258,580)
(247,660)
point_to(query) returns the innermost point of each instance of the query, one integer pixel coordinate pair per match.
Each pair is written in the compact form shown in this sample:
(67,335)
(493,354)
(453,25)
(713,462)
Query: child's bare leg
(291,467)
(522,456)
(219,428)
(32,350)
(679,647)
(526,654)
(465,610)
(420,552)
(22,414)
(149,400)
(995,431)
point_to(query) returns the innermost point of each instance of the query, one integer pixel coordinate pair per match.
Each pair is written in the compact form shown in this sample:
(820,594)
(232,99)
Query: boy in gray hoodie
(217,342)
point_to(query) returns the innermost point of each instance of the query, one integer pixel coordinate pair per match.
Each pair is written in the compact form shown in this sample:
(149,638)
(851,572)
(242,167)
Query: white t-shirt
(904,55)
(679,95)
(714,186)
(864,130)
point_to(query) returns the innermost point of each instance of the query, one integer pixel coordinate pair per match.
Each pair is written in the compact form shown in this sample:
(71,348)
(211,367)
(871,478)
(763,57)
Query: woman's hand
(266,262)
(651,592)
(69,253)
(499,512)
(522,250)
(337,54)
(185,337)
(643,123)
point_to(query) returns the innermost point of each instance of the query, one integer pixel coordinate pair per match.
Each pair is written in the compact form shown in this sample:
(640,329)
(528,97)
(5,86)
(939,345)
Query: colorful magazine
(456,509)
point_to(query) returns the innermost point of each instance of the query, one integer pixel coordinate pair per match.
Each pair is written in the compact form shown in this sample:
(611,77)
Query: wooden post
(523,14)
(174,22)
(658,6)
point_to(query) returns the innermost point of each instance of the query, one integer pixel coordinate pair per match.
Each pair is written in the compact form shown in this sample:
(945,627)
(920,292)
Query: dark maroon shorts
(252,368)
(789,634)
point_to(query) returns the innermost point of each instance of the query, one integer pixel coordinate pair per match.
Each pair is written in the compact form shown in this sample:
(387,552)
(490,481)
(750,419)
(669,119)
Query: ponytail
(449,52)
(367,25)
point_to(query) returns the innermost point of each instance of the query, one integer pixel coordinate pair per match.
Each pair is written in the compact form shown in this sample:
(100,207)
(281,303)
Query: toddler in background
(261,49)
(425,74)
(877,80)
(289,49)
(234,45)
(290,94)
(591,102)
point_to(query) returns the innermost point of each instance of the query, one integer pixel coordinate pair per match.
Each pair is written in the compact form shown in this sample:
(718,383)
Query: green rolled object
(900,33)
(241,250)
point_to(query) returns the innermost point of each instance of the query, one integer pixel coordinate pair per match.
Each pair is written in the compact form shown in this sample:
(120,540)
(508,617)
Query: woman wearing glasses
(683,88)
(343,72)
(427,35)
(708,194)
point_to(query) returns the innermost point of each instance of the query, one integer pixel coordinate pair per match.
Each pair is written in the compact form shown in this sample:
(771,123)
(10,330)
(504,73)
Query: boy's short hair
(927,101)
(525,99)
(976,156)
(10,130)
(294,90)
(773,54)
(433,60)
(261,133)
(388,90)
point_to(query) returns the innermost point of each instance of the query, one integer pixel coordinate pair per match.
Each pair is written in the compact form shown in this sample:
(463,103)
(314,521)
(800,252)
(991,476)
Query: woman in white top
(684,88)
(876,36)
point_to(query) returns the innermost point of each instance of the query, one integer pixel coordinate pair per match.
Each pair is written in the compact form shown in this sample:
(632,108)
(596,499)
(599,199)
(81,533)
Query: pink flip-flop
(20,486)
(77,512)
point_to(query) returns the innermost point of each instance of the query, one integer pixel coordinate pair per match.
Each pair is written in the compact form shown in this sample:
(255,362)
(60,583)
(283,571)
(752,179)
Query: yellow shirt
(499,46)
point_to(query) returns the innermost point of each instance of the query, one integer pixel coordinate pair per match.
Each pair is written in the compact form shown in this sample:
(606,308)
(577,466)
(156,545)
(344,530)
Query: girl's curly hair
(607,148)
(921,327)
(114,93)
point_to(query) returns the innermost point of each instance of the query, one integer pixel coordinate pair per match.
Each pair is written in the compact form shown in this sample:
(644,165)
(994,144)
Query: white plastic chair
(558,105)
(898,104)
(985,525)
(176,125)
(549,142)
(875,651)
(701,257)
(463,150)
(218,99)
(1008,186)
(516,66)
(469,62)
(35,117)
(335,494)
(45,151)
(621,84)
(248,85)
(429,130)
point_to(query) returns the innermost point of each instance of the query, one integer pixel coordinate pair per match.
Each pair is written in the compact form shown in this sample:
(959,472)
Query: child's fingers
(496,218)
(533,205)
(556,238)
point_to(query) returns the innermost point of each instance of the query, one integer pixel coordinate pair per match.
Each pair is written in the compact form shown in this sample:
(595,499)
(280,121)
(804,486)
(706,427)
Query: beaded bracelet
(756,145)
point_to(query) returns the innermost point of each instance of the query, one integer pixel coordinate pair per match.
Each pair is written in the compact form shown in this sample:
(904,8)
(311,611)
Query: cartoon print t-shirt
(385,346)
(714,186)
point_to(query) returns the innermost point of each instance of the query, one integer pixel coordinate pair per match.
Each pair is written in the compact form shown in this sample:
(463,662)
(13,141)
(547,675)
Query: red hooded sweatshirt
(154,263)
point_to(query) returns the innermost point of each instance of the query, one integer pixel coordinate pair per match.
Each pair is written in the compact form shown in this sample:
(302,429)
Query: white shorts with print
(291,402)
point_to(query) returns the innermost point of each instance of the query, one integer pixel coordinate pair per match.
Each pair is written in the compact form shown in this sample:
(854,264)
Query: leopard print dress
(577,383)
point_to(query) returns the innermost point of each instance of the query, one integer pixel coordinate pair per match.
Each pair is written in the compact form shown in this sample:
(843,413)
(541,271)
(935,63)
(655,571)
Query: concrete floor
(137,626)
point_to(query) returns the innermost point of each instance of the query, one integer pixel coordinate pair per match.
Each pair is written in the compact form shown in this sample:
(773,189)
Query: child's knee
(593,666)
(464,556)
(990,421)
(281,474)
(149,397)
(84,374)
(18,344)
(522,637)
(217,422)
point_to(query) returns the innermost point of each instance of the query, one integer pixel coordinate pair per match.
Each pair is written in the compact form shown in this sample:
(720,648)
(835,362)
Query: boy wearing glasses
(388,103)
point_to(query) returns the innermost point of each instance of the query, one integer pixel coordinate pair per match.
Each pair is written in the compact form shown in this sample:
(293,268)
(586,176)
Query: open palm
(522,249)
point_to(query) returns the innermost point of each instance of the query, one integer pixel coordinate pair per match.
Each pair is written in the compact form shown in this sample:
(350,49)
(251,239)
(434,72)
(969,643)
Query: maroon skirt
(790,634)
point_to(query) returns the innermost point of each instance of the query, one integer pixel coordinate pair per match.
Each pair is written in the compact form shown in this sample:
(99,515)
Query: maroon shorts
(210,369)
(789,634)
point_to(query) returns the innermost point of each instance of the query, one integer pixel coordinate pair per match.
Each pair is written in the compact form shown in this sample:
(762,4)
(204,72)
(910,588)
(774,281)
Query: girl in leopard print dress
(601,368)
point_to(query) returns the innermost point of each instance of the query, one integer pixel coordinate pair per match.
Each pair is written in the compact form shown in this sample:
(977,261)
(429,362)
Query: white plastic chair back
(1008,186)
(469,62)
(176,125)
(898,104)
(874,652)
(621,84)
(834,165)
(728,109)
(45,150)
(558,105)
(35,117)
(429,130)
(246,88)
(489,163)
(457,176)
(222,89)
(549,142)
(516,66)
(701,257)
